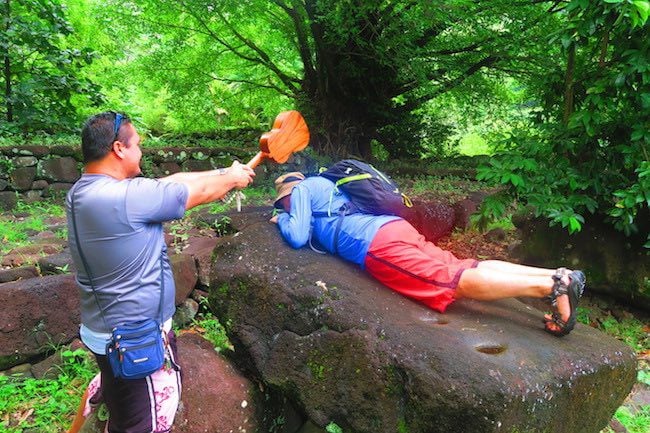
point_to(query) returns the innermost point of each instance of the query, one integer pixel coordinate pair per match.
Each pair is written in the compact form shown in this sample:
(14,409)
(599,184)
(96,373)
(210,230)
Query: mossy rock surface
(350,351)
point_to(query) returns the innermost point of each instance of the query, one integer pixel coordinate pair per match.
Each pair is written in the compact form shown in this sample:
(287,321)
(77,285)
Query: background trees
(557,89)
(40,70)
(587,150)
(360,71)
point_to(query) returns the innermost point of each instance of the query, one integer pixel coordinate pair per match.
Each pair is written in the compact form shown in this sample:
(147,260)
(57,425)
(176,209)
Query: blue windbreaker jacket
(317,195)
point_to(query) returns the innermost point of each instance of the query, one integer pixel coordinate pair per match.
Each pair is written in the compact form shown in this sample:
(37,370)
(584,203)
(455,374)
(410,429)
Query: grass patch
(634,422)
(442,188)
(45,405)
(212,330)
(629,330)
(28,219)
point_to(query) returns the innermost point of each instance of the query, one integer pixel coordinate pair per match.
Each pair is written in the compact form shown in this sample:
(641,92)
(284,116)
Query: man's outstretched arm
(207,186)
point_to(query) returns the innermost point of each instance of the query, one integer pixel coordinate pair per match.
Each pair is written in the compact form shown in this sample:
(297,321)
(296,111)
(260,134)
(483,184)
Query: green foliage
(629,330)
(630,201)
(441,185)
(40,73)
(213,331)
(171,69)
(402,427)
(6,166)
(277,425)
(40,138)
(333,428)
(634,422)
(26,220)
(222,225)
(644,377)
(535,176)
(596,159)
(45,405)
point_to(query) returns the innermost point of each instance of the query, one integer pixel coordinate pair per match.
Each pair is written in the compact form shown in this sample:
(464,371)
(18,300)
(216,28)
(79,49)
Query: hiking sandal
(574,291)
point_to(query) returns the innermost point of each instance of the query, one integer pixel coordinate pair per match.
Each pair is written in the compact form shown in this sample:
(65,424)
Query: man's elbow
(197,195)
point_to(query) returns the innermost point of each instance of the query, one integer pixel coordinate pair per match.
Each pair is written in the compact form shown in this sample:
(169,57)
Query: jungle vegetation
(557,92)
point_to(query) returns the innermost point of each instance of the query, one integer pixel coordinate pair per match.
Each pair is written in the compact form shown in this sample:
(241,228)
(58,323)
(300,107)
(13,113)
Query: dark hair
(98,135)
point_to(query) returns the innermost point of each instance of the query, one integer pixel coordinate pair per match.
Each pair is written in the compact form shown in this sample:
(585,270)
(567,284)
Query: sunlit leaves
(41,72)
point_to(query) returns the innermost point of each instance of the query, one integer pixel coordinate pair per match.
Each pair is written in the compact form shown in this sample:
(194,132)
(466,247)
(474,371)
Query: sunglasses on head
(116,125)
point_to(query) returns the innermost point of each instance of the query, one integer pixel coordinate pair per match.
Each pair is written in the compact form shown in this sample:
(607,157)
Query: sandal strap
(564,327)
(557,319)
(559,287)
(560,272)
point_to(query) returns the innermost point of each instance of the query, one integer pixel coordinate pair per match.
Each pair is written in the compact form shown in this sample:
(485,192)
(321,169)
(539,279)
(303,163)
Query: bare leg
(487,283)
(513,268)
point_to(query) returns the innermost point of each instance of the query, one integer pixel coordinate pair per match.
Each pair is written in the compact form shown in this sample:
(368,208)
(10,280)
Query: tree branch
(262,55)
(452,83)
(466,49)
(301,35)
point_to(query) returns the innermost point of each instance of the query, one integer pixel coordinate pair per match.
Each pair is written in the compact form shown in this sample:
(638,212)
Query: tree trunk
(7,65)
(568,84)
(339,127)
(604,43)
(340,137)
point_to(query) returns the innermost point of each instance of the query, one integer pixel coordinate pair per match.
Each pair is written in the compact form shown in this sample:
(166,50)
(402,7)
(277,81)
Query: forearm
(205,187)
(182,177)
(295,233)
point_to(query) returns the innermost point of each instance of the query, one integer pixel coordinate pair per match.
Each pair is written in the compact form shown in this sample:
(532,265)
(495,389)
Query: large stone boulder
(216,397)
(348,350)
(8,199)
(22,178)
(185,275)
(37,314)
(60,169)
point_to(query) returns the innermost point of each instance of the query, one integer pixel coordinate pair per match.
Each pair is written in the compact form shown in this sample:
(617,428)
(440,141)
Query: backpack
(370,191)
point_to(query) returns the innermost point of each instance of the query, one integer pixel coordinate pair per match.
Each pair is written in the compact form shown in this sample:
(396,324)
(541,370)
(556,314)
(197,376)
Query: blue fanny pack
(136,349)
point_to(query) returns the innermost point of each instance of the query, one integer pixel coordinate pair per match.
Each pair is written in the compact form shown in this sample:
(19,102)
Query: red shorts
(403,260)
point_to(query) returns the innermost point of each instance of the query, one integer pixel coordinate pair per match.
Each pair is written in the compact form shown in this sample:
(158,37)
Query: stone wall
(33,173)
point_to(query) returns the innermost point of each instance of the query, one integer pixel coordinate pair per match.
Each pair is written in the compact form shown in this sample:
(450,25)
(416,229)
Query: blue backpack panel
(370,191)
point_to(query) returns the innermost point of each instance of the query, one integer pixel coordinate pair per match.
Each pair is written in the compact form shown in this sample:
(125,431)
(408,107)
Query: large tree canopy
(359,70)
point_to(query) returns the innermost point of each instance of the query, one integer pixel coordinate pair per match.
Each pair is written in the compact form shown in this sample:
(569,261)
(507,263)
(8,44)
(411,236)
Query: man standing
(117,243)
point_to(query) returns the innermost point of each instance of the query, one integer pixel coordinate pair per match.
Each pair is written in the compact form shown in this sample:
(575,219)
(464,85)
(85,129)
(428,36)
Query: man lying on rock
(395,253)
